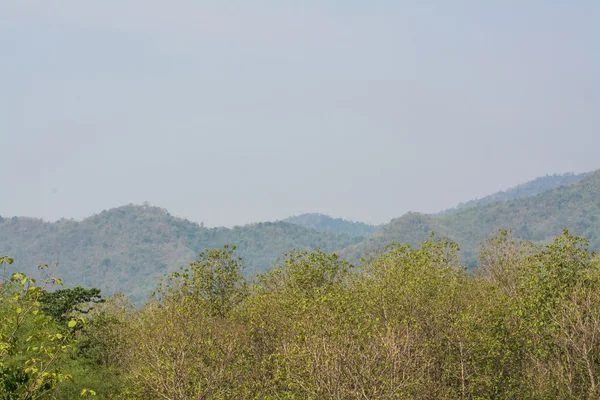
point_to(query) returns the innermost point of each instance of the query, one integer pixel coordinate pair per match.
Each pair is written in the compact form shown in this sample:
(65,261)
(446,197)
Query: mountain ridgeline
(528,189)
(325,223)
(127,248)
(537,218)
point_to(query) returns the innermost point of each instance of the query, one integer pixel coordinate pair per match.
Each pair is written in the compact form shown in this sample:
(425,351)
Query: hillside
(528,189)
(537,218)
(126,248)
(325,223)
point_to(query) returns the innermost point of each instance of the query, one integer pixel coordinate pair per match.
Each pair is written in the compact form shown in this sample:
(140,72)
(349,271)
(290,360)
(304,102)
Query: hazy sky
(230,112)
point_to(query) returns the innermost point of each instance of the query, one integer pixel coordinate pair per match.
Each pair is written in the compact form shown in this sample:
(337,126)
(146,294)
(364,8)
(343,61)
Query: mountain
(325,223)
(538,218)
(528,189)
(127,248)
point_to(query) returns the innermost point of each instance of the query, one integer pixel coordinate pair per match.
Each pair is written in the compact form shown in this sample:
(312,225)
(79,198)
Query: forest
(290,200)
(125,249)
(405,322)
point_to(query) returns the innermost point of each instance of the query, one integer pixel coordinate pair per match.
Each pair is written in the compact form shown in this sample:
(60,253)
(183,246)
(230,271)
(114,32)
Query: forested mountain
(536,218)
(528,189)
(325,223)
(126,248)
(521,327)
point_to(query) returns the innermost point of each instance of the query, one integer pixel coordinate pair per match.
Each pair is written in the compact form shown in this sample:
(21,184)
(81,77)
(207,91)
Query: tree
(184,343)
(30,342)
(62,303)
(215,281)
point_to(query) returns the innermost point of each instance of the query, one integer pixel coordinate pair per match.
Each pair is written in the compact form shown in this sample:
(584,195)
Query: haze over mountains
(125,249)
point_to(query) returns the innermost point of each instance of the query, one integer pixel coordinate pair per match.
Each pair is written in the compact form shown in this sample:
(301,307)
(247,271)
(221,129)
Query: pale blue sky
(230,112)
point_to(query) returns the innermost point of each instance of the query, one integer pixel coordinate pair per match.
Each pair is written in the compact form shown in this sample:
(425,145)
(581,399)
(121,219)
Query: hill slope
(126,248)
(537,218)
(528,189)
(325,223)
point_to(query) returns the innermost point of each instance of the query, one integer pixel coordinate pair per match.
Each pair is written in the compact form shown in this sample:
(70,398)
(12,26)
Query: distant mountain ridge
(325,223)
(127,248)
(538,218)
(527,189)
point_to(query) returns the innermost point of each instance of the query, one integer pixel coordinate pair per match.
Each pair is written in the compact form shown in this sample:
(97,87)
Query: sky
(232,112)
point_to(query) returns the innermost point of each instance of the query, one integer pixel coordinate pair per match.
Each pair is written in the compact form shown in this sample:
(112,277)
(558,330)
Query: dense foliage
(410,322)
(32,343)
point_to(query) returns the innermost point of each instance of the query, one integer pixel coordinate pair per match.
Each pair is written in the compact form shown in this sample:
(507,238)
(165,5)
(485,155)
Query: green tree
(31,344)
(62,303)
(184,343)
(215,280)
